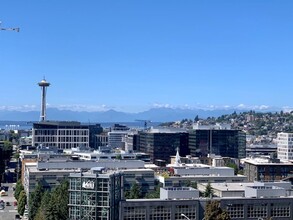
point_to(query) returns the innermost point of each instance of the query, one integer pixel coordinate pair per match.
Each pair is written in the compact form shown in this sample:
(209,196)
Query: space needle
(43,84)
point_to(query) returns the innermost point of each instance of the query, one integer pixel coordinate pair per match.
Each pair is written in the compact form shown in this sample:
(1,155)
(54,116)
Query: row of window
(62,132)
(258,211)
(160,212)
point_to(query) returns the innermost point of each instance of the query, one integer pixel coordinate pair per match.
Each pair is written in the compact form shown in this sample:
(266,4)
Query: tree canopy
(21,202)
(35,200)
(213,211)
(134,193)
(208,190)
(18,189)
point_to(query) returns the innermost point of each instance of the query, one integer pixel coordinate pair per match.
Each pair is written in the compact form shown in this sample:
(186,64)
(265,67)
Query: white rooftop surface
(35,170)
(151,166)
(264,161)
(191,165)
(31,164)
(231,186)
(137,170)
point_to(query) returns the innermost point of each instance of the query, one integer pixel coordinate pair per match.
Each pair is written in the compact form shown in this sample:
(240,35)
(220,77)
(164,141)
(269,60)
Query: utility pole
(8,29)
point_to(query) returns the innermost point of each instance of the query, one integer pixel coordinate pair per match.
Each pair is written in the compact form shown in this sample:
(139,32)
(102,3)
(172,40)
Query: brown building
(266,169)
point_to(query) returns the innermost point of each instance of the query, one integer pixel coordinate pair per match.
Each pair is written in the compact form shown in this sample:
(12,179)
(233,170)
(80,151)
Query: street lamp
(185,216)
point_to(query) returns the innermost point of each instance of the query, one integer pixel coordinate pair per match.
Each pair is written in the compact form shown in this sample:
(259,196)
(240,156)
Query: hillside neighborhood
(231,164)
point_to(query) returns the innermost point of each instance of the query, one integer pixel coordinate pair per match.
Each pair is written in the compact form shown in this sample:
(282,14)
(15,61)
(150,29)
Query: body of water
(23,125)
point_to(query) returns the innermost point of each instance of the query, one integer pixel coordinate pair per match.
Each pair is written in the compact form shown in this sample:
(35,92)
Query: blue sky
(134,55)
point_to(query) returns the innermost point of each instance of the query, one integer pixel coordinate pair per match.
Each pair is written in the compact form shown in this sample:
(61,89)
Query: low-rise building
(249,206)
(95,195)
(266,169)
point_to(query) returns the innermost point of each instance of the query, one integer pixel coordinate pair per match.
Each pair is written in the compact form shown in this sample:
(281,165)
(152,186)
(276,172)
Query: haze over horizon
(132,56)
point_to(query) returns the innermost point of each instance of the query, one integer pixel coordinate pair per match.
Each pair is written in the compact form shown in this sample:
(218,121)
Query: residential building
(266,169)
(285,146)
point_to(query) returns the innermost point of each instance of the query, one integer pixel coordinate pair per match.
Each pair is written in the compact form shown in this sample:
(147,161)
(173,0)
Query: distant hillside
(155,114)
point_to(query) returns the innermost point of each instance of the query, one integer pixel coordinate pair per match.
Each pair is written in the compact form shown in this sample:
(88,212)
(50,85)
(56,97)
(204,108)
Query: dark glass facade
(227,143)
(160,146)
(94,129)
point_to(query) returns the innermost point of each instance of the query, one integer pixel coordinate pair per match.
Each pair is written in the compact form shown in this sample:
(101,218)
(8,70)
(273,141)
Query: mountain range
(154,114)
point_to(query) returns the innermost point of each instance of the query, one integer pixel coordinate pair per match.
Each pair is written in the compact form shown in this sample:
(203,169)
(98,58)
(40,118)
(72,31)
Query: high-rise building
(95,195)
(285,146)
(217,140)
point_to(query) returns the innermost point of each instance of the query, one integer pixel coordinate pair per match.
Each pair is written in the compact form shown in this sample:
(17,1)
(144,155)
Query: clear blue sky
(134,55)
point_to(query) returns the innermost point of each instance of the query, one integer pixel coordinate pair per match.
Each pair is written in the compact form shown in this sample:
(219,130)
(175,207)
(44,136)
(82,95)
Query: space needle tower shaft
(43,84)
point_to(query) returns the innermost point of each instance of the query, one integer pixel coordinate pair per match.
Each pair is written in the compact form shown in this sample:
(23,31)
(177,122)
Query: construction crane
(8,29)
(145,123)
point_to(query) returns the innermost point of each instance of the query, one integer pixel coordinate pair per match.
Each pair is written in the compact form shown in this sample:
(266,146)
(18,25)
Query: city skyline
(132,56)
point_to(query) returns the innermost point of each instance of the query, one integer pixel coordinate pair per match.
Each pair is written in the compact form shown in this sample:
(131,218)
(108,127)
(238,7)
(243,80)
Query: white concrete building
(116,138)
(285,146)
(249,189)
(178,193)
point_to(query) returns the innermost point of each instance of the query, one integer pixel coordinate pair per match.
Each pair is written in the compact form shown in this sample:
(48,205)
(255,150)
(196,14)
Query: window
(188,210)
(257,211)
(280,210)
(135,213)
(235,210)
(160,212)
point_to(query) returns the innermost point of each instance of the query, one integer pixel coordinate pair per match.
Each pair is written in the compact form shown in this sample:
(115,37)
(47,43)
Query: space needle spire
(43,84)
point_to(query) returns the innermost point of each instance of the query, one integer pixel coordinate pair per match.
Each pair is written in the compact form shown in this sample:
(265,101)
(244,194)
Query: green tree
(35,200)
(188,183)
(8,146)
(16,155)
(213,211)
(52,211)
(119,157)
(155,194)
(134,193)
(57,208)
(18,189)
(208,190)
(42,211)
(21,202)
